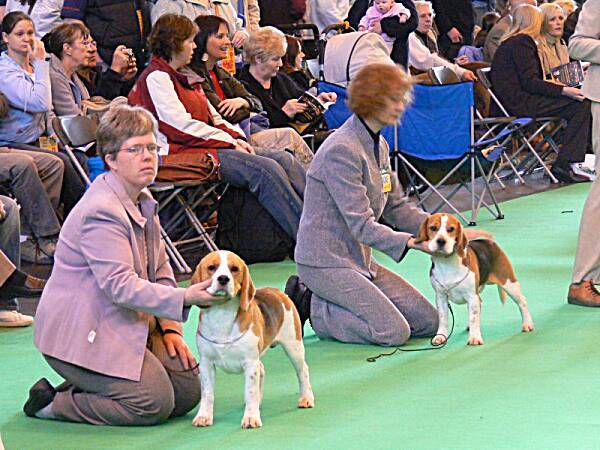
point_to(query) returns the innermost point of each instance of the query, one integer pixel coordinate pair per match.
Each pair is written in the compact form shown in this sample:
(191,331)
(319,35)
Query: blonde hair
(424,4)
(370,89)
(550,10)
(526,19)
(568,6)
(263,44)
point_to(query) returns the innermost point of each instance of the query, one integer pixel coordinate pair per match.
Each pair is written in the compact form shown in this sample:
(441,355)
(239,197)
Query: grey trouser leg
(587,260)
(20,171)
(349,307)
(268,181)
(103,400)
(9,246)
(292,167)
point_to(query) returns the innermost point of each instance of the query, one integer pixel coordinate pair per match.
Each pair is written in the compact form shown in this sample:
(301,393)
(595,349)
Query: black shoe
(41,395)
(20,284)
(566,175)
(300,295)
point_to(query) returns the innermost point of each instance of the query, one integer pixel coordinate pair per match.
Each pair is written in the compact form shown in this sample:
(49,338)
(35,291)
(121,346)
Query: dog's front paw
(475,340)
(438,339)
(527,326)
(306,401)
(202,421)
(251,422)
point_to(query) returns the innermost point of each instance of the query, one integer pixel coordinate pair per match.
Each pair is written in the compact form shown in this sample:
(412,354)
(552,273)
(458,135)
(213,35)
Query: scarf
(553,53)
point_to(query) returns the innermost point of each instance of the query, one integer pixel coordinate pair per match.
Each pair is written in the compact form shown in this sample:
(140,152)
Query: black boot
(300,295)
(41,395)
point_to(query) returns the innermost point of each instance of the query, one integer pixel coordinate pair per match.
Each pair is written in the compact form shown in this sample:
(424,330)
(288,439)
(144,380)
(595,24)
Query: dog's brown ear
(461,239)
(422,236)
(247,291)
(200,274)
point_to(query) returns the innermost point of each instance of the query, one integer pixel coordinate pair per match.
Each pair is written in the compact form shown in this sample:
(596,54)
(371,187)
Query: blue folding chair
(439,126)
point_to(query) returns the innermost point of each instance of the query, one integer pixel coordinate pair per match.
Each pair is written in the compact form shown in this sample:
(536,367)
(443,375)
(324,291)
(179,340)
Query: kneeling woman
(192,126)
(349,187)
(109,318)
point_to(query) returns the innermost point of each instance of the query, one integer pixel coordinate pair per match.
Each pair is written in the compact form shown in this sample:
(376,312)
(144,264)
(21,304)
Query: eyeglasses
(136,150)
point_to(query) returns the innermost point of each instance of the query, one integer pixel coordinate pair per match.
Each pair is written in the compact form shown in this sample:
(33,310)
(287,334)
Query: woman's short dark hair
(291,53)
(168,34)
(11,20)
(65,33)
(207,26)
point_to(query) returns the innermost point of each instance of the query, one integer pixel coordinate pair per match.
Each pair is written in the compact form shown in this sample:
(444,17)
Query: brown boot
(584,294)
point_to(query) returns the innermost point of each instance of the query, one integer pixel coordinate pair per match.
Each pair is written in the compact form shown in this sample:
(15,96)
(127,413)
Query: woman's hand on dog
(198,295)
(176,346)
(422,246)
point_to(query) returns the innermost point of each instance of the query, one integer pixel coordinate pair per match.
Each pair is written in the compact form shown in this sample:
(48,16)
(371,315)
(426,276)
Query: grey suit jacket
(344,200)
(98,304)
(585,46)
(494,37)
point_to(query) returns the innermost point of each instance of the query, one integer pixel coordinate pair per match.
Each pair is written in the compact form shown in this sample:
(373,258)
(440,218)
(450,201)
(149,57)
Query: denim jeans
(275,178)
(9,242)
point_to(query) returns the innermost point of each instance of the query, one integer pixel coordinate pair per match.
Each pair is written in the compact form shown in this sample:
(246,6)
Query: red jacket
(186,119)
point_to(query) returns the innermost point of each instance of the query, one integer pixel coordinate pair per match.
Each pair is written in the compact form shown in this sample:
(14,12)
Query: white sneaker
(14,319)
(583,171)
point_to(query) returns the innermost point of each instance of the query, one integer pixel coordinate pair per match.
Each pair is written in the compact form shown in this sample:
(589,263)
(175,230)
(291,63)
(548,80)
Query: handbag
(200,166)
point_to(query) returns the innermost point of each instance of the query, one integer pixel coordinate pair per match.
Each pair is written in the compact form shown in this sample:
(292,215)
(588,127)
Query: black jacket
(282,89)
(390,26)
(231,87)
(517,77)
(455,13)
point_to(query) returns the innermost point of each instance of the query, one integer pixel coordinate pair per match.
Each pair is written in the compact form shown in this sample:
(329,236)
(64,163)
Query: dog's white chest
(229,356)
(457,287)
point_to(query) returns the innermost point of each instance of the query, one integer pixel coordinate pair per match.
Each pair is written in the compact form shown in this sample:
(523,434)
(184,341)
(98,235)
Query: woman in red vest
(189,124)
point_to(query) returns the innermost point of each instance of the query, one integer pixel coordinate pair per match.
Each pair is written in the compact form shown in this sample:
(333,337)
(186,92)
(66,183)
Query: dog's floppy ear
(200,274)
(422,236)
(461,239)
(247,290)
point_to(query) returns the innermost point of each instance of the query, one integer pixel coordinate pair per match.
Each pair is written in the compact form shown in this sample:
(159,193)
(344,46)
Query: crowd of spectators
(222,80)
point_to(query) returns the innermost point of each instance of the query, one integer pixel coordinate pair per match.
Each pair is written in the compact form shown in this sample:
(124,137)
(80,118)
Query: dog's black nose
(441,242)
(223,279)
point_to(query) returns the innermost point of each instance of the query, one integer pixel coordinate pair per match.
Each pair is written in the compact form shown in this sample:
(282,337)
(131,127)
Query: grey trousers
(349,307)
(35,179)
(275,177)
(9,245)
(163,391)
(587,260)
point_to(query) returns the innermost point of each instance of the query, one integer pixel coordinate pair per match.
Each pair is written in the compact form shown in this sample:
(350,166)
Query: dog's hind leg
(294,349)
(513,289)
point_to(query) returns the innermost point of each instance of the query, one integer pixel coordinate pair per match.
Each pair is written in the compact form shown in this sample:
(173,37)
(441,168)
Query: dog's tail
(502,294)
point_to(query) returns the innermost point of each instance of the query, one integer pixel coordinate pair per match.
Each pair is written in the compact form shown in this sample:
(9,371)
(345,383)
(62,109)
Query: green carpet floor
(537,390)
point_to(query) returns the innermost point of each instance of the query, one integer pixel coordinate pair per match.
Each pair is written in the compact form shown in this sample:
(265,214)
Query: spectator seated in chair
(192,129)
(422,51)
(277,92)
(229,96)
(293,64)
(518,81)
(26,84)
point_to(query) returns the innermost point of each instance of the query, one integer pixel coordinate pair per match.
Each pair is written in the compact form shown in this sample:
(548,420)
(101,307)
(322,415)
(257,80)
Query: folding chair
(183,224)
(439,126)
(546,128)
(76,132)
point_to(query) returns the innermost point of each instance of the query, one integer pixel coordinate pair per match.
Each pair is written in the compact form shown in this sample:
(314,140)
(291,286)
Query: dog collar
(232,341)
(445,289)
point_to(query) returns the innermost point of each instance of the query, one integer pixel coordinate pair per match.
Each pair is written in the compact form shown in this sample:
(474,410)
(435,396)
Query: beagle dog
(460,270)
(233,335)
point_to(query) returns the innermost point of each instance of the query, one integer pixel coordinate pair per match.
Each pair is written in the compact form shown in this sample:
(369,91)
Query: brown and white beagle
(235,334)
(460,270)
